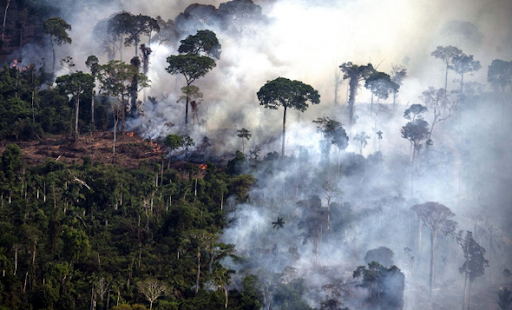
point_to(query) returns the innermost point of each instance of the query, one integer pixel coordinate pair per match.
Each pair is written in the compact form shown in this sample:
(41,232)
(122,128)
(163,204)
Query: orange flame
(130,134)
(15,65)
(202,166)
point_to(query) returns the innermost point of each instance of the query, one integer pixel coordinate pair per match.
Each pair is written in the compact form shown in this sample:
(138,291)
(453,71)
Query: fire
(129,134)
(202,166)
(156,148)
(15,63)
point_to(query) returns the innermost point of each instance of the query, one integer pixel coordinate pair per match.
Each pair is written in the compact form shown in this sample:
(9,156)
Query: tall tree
(57,28)
(398,74)
(380,84)
(333,133)
(355,74)
(416,132)
(437,101)
(463,64)
(314,217)
(137,25)
(436,217)
(288,94)
(474,263)
(93,63)
(200,240)
(194,95)
(243,134)
(116,78)
(192,67)
(362,138)
(76,84)
(499,74)
(135,107)
(446,54)
(5,18)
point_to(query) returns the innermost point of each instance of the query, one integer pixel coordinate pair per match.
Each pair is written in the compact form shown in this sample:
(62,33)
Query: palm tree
(362,138)
(243,134)
(279,223)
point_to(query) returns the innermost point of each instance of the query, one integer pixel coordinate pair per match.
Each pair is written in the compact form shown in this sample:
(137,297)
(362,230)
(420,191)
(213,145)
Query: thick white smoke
(469,167)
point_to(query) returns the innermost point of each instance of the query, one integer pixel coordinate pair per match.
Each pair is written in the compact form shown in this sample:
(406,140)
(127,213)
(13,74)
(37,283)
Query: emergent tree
(446,54)
(288,94)
(56,27)
(76,84)
(355,74)
(436,217)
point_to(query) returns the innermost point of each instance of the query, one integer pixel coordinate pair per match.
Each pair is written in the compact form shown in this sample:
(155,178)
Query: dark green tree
(116,78)
(57,28)
(192,67)
(355,74)
(203,43)
(288,94)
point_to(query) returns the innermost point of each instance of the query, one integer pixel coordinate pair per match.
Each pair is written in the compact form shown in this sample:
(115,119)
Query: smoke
(467,169)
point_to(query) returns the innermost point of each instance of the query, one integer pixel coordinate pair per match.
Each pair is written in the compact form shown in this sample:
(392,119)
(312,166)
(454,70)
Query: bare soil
(131,149)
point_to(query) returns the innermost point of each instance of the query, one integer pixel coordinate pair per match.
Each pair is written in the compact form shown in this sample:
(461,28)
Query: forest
(243,154)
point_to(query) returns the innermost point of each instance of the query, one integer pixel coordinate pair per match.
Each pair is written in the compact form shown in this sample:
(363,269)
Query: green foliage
(57,28)
(288,94)
(385,286)
(191,66)
(203,42)
(120,228)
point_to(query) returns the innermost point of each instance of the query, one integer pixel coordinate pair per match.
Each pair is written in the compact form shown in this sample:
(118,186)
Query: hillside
(130,149)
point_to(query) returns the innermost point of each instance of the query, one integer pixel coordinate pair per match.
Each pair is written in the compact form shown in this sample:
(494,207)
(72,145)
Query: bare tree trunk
(446,80)
(53,53)
(5,18)
(15,259)
(284,132)
(92,107)
(419,241)
(77,105)
(186,107)
(225,289)
(432,260)
(353,83)
(198,268)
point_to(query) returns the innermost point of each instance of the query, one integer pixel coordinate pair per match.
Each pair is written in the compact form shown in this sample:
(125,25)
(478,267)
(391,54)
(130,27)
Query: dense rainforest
(169,181)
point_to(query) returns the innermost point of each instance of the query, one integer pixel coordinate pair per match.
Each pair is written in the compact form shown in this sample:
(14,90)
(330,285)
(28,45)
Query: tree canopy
(204,42)
(288,94)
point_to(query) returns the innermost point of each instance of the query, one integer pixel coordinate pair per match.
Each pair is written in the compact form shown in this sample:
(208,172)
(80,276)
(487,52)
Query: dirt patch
(131,149)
